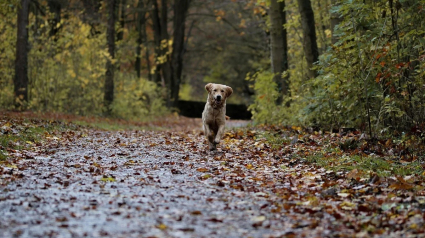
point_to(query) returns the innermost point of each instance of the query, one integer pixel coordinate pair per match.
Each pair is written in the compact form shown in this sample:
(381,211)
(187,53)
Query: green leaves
(264,108)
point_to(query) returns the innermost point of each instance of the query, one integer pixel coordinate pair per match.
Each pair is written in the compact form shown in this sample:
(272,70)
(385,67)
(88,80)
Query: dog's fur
(214,115)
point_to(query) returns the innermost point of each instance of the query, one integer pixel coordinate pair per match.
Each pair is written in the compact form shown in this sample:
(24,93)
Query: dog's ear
(208,87)
(229,91)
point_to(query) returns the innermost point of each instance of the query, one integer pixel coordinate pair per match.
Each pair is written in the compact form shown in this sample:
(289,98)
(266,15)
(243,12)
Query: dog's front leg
(209,134)
(219,135)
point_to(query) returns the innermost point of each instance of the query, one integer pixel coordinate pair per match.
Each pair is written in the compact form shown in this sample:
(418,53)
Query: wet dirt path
(92,183)
(127,184)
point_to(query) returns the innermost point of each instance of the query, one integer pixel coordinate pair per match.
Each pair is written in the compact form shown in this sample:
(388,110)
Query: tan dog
(214,115)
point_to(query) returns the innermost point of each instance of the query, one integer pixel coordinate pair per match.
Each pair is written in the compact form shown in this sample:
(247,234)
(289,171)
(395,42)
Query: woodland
(325,63)
(93,142)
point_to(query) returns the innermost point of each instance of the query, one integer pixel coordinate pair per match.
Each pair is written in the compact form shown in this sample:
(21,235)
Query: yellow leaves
(297,128)
(166,44)
(71,73)
(161,59)
(259,11)
(219,14)
(161,226)
(6,125)
(312,201)
(12,166)
(153,70)
(68,44)
(346,205)
(242,24)
(107,179)
(328,33)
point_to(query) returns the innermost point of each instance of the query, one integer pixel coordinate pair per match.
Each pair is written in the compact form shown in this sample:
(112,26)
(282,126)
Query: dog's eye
(222,91)
(215,90)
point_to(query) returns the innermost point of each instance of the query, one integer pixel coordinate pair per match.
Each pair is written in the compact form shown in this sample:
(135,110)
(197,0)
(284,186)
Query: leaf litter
(86,182)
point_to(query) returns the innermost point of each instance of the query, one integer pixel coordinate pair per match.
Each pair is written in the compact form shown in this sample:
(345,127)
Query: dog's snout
(218,97)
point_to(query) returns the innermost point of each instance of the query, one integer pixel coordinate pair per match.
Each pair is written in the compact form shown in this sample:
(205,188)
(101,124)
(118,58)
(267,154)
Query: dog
(214,114)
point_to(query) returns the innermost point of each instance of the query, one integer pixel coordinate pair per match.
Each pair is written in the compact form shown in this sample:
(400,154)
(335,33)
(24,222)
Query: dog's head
(218,93)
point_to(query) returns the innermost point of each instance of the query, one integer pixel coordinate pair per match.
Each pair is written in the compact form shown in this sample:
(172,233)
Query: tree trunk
(55,8)
(166,68)
(285,64)
(157,40)
(110,35)
(278,49)
(322,28)
(120,35)
(21,61)
(140,24)
(148,64)
(180,12)
(161,43)
(91,15)
(309,35)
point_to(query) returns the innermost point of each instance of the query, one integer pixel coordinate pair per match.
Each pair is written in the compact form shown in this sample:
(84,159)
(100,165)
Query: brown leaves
(269,186)
(203,170)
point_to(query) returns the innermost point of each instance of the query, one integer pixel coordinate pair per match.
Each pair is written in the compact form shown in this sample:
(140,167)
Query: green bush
(264,109)
(137,99)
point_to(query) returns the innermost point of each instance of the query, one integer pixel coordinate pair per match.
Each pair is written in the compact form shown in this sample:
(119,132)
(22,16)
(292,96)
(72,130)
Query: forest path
(93,183)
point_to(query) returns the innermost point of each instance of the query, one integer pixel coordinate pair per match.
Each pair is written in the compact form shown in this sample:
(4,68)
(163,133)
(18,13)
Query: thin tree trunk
(285,64)
(91,15)
(309,35)
(140,25)
(157,40)
(109,79)
(180,12)
(161,36)
(164,19)
(148,64)
(21,61)
(167,70)
(55,8)
(120,35)
(277,49)
(322,28)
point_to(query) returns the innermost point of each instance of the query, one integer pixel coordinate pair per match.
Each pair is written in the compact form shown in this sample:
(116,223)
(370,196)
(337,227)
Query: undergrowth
(382,166)
(21,134)
(386,158)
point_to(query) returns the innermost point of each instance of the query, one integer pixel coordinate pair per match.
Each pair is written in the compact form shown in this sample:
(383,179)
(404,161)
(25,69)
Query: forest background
(323,63)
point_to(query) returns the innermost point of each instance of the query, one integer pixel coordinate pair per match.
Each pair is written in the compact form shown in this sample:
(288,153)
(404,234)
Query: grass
(337,156)
(3,155)
(382,166)
(18,134)
(276,141)
(110,126)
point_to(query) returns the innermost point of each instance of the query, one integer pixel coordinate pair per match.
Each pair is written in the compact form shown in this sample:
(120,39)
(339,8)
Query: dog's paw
(216,141)
(212,146)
